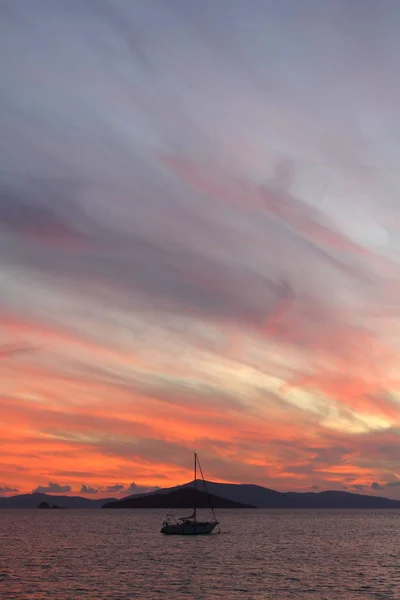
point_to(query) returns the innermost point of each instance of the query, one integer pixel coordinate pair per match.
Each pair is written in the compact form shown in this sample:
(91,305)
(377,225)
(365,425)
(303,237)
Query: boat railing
(170,520)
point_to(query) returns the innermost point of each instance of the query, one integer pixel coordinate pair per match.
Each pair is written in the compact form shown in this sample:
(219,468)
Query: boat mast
(195,485)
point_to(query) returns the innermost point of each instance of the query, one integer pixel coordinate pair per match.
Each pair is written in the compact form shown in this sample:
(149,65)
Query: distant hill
(242,493)
(33,500)
(181,498)
(262,497)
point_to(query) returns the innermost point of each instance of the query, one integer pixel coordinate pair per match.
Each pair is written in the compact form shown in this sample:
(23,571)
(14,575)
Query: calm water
(81,555)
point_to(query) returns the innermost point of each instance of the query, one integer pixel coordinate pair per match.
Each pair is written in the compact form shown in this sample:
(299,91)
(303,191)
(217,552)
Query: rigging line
(205,485)
(195,485)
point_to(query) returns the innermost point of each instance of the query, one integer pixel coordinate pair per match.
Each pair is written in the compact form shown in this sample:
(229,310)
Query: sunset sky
(199,244)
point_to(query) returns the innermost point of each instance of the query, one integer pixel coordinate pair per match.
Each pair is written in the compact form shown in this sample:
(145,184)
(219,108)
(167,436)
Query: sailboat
(190,525)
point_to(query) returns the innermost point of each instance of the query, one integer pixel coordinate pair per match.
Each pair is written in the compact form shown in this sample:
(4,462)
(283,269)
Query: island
(185,498)
(47,505)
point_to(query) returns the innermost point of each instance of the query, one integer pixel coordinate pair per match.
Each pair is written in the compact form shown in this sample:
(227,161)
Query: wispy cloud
(393,483)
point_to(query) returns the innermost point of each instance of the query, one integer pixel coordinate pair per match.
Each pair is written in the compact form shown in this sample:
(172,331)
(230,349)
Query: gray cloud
(174,277)
(53,488)
(87,489)
(376,486)
(45,213)
(133,488)
(117,487)
(141,489)
(6,489)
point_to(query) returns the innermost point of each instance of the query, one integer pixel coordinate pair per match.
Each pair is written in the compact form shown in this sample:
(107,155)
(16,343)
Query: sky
(199,244)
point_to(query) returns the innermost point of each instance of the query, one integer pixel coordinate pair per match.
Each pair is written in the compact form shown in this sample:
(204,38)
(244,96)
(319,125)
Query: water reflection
(93,555)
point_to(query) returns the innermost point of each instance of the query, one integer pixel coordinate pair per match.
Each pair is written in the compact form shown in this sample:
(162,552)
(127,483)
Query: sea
(260,554)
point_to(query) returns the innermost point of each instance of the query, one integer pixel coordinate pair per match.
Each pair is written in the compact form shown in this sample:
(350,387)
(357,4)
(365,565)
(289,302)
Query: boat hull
(188,528)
